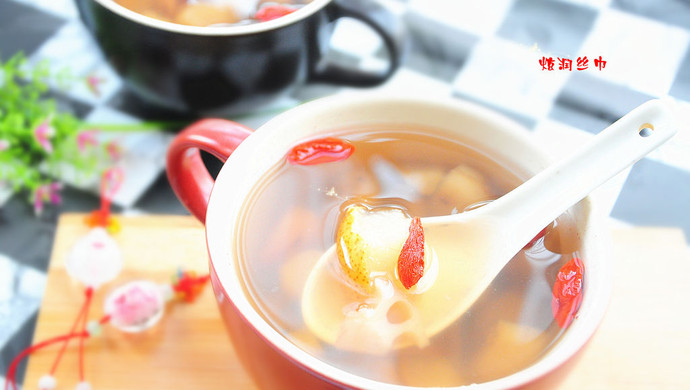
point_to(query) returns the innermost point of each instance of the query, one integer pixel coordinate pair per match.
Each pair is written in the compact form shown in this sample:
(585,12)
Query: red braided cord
(84,309)
(81,340)
(10,381)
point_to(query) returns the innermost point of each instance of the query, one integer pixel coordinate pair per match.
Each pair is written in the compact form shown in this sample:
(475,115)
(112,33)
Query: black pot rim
(246,29)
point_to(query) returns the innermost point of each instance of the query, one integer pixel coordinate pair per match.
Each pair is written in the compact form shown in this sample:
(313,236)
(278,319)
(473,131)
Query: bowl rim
(239,30)
(224,206)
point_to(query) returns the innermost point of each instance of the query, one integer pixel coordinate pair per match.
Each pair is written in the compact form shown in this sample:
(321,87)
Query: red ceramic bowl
(275,362)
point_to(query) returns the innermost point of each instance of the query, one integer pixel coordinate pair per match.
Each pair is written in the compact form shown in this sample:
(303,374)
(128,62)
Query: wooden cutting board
(189,349)
(644,341)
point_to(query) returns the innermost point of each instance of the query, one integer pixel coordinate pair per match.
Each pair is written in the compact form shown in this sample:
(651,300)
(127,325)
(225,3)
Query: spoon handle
(533,205)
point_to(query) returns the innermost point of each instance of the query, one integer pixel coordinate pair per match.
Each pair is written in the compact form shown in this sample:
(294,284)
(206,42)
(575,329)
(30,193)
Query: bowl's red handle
(187,173)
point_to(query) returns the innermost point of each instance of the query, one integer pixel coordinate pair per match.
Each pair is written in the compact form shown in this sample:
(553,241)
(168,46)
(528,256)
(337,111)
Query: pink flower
(86,138)
(39,196)
(93,82)
(114,150)
(43,133)
(4,145)
(54,189)
(46,193)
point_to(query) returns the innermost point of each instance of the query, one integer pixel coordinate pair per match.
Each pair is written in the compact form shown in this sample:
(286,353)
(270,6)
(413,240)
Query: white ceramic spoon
(473,246)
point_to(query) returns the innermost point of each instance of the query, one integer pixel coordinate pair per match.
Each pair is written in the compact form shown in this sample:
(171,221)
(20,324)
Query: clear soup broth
(291,220)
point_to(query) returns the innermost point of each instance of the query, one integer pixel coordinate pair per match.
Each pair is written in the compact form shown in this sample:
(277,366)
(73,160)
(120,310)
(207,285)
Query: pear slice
(368,243)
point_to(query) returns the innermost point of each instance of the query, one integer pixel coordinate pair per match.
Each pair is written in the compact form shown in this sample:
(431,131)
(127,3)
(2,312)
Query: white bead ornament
(47,382)
(83,386)
(95,259)
(94,328)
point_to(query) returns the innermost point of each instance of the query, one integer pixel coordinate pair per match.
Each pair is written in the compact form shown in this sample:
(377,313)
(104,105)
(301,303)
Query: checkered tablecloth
(509,55)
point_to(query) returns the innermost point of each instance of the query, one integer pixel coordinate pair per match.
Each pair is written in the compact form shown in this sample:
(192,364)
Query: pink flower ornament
(136,306)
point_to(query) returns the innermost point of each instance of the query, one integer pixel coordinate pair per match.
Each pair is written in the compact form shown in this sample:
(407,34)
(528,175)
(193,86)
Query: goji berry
(271,12)
(567,292)
(411,259)
(320,151)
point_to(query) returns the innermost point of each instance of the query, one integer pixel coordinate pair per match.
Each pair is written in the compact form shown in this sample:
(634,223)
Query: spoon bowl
(472,247)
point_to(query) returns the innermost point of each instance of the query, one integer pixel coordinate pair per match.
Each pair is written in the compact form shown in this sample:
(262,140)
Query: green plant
(38,142)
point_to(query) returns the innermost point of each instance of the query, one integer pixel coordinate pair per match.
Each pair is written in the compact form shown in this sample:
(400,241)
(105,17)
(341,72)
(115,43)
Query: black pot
(233,69)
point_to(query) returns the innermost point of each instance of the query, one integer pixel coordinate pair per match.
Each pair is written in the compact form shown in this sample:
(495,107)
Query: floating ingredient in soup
(463,186)
(425,180)
(411,258)
(358,314)
(204,13)
(567,292)
(510,347)
(271,12)
(320,151)
(296,270)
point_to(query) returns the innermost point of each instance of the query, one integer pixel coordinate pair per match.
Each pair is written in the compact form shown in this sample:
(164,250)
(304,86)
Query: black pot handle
(382,21)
